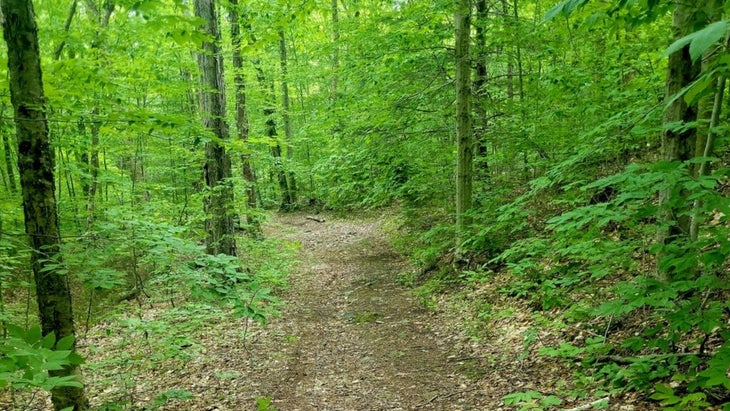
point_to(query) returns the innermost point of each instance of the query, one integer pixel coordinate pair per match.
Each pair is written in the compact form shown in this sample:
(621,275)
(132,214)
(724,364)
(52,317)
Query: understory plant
(600,263)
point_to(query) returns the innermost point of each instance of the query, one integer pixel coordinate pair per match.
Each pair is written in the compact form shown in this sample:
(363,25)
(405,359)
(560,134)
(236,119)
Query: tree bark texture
(286,106)
(10,170)
(708,112)
(464,133)
(480,85)
(269,111)
(219,226)
(242,122)
(678,142)
(706,104)
(35,166)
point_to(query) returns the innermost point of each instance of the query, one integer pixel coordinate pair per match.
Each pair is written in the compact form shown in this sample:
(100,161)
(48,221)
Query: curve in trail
(350,337)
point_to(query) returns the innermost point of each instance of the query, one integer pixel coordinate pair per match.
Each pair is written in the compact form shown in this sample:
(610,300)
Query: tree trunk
(217,169)
(336,50)
(66,26)
(93,174)
(269,111)
(708,113)
(464,135)
(706,104)
(480,84)
(520,76)
(286,106)
(678,140)
(35,165)
(92,157)
(242,122)
(8,155)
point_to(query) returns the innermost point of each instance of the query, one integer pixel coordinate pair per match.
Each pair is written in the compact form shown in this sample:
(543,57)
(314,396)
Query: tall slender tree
(336,50)
(464,132)
(680,136)
(217,168)
(480,85)
(269,111)
(35,164)
(286,108)
(242,122)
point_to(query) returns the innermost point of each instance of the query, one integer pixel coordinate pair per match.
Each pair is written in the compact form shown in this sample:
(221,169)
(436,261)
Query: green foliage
(673,402)
(264,404)
(165,397)
(531,400)
(701,40)
(28,357)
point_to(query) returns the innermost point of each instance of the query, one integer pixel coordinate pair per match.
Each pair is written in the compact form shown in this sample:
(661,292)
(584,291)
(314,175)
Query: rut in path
(351,337)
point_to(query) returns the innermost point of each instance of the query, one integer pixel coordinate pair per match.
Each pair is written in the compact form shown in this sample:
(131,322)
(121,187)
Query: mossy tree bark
(218,203)
(36,165)
(10,171)
(680,136)
(678,141)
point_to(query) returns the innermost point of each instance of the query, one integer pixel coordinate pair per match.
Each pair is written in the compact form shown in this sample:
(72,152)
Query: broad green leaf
(566,8)
(699,41)
(707,37)
(33,335)
(65,343)
(48,341)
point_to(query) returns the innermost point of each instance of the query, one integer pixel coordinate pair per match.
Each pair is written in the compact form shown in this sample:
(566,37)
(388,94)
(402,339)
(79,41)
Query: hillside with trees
(531,197)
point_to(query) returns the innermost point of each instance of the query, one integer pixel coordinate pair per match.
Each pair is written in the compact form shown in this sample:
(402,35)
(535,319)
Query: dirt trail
(351,337)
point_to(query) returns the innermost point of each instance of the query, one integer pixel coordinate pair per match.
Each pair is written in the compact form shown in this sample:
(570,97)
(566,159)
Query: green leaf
(706,38)
(33,335)
(699,41)
(75,359)
(551,400)
(65,343)
(566,8)
(48,341)
(15,331)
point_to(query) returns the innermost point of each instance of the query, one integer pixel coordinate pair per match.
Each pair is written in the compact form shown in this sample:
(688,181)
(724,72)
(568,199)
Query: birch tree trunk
(36,166)
(219,226)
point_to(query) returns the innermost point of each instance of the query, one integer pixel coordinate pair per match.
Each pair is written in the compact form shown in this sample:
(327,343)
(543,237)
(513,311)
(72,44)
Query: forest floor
(350,337)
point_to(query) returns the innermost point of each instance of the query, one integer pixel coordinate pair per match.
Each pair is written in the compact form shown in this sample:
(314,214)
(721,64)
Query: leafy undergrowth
(180,336)
(581,318)
(514,349)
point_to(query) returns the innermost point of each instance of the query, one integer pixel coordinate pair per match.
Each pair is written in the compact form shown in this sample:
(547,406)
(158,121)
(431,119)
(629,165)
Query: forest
(364,205)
